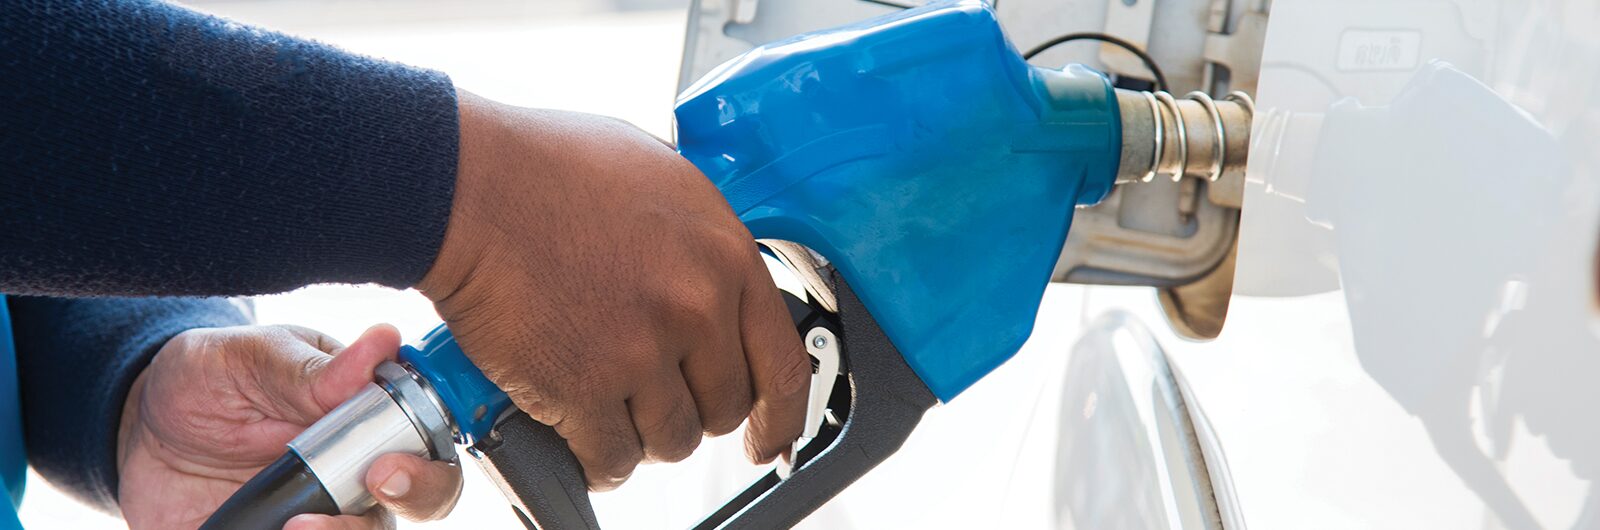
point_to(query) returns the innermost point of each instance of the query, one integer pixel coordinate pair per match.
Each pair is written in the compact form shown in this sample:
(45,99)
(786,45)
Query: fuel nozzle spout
(1172,137)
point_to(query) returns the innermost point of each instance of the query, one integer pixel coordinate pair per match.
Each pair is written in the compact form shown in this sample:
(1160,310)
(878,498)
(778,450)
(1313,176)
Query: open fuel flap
(1176,229)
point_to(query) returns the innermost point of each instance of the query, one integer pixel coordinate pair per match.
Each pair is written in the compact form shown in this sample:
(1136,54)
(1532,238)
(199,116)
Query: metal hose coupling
(324,471)
(398,413)
(1165,136)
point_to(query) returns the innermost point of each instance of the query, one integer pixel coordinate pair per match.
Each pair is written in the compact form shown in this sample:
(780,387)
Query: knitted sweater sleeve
(146,149)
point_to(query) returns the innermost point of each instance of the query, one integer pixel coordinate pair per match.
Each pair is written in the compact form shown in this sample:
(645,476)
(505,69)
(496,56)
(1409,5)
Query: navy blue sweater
(149,150)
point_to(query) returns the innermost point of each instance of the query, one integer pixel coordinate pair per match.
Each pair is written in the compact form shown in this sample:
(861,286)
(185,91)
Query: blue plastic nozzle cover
(473,401)
(922,156)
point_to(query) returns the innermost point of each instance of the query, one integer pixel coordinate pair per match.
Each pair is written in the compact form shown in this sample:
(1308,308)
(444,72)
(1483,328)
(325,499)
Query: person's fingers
(351,369)
(780,371)
(414,488)
(664,415)
(299,383)
(721,387)
(374,519)
(605,442)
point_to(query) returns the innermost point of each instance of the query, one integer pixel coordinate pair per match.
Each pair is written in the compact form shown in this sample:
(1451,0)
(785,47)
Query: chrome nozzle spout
(1193,136)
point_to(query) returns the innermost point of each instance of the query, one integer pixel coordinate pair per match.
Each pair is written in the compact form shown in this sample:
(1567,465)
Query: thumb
(352,367)
(413,488)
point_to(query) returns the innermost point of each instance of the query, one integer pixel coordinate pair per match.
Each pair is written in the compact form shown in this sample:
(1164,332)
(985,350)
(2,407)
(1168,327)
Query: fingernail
(306,520)
(396,485)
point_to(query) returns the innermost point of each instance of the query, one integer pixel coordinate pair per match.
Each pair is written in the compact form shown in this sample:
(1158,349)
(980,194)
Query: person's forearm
(77,358)
(153,150)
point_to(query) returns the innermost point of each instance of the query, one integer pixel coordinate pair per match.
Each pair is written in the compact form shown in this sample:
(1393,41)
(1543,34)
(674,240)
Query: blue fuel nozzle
(924,159)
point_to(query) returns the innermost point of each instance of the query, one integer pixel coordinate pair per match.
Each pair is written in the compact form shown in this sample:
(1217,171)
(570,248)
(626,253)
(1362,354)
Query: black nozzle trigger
(538,473)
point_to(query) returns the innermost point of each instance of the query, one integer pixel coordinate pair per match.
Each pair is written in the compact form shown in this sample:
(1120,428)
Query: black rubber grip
(539,474)
(276,494)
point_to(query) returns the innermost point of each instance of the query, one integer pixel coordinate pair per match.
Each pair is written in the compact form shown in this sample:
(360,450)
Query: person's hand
(605,284)
(215,406)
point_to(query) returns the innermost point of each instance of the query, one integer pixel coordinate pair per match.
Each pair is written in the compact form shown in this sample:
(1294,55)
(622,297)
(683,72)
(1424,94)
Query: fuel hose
(278,493)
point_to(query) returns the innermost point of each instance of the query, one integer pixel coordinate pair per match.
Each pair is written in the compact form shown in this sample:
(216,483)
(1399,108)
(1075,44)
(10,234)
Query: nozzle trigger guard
(878,401)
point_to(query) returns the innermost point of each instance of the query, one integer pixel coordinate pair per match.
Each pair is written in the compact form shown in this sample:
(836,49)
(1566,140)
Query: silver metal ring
(419,403)
(1160,137)
(1244,100)
(1183,136)
(1219,147)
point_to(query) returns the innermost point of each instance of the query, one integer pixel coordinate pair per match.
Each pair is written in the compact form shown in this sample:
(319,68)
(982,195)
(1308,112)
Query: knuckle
(546,402)
(725,423)
(682,442)
(720,383)
(555,417)
(726,406)
(631,370)
(675,438)
(677,448)
(736,248)
(618,452)
(792,376)
(693,302)
(616,469)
